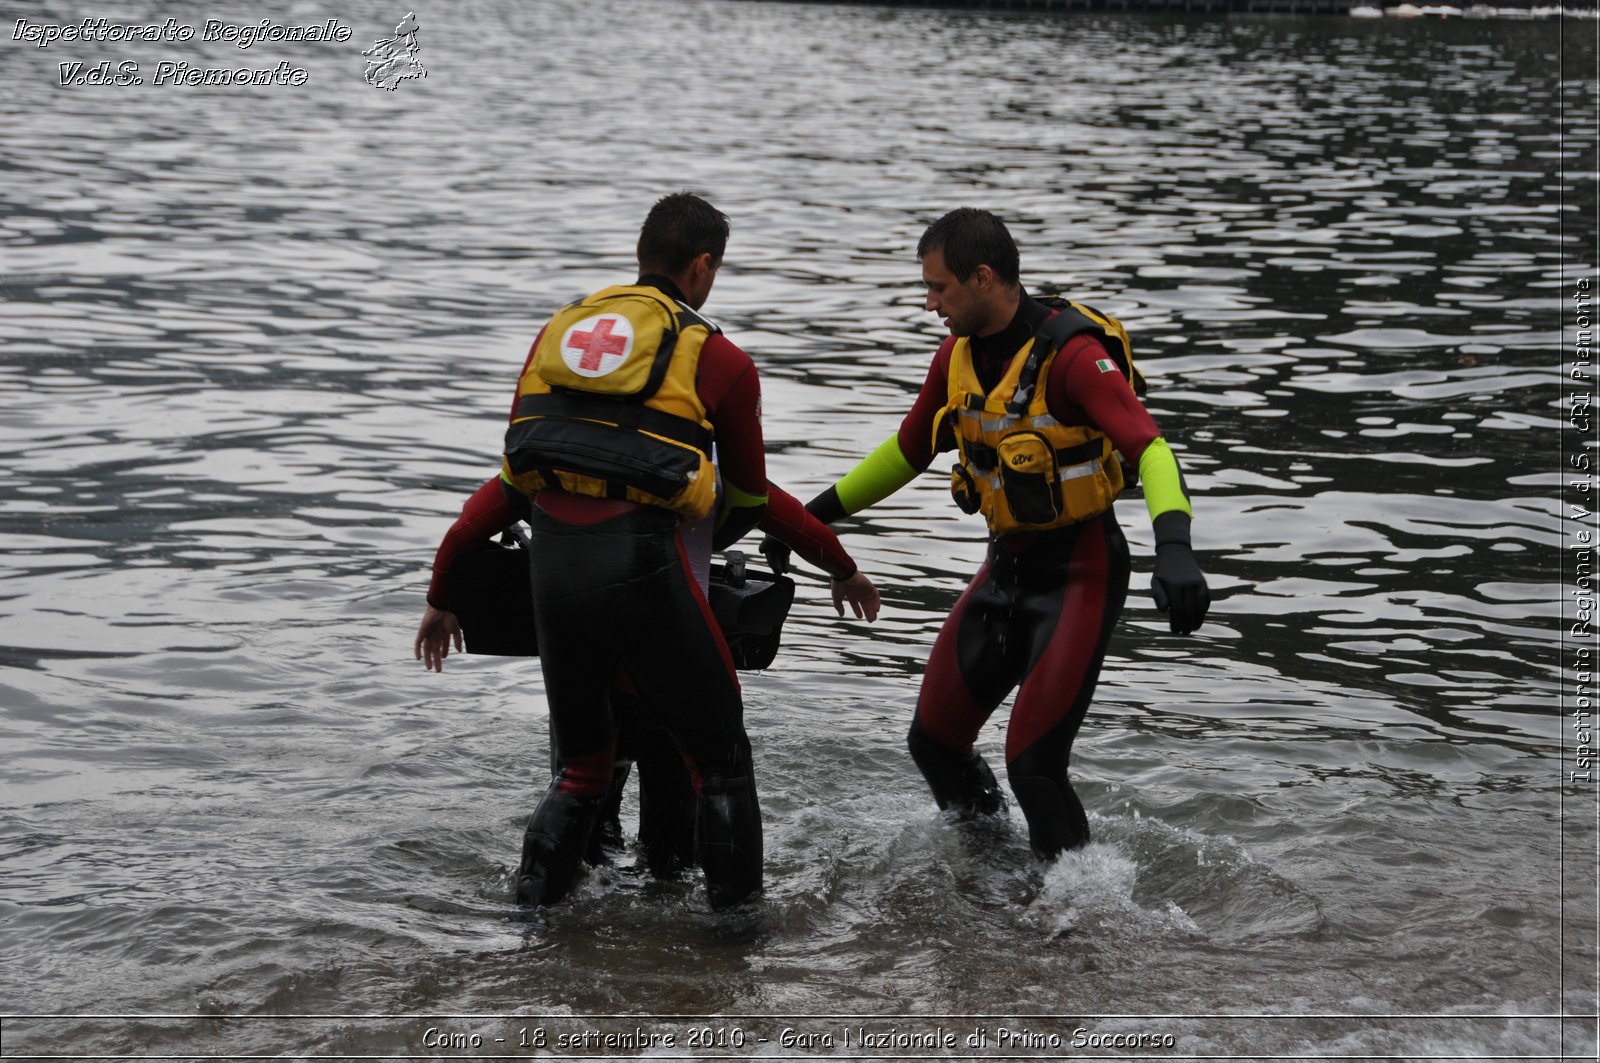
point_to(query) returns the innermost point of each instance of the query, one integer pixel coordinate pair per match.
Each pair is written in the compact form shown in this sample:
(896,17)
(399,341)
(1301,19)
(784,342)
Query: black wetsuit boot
(728,837)
(959,781)
(554,845)
(607,832)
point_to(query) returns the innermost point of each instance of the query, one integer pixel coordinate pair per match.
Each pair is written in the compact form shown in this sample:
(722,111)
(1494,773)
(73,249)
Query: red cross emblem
(597,345)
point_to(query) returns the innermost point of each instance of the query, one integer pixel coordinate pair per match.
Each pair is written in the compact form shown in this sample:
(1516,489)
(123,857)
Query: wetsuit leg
(625,709)
(621,592)
(647,750)
(573,567)
(667,801)
(687,677)
(607,833)
(970,671)
(1074,588)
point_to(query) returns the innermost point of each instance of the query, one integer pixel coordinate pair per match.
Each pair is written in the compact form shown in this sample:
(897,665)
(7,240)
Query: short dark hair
(969,238)
(678,228)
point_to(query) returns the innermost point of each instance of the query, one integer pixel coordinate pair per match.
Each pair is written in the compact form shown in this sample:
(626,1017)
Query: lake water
(256,345)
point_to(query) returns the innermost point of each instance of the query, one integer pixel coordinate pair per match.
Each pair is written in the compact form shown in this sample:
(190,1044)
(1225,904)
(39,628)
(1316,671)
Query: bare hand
(434,635)
(860,593)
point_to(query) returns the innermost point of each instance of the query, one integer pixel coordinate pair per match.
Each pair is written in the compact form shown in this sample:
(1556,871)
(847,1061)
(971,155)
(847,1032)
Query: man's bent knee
(961,781)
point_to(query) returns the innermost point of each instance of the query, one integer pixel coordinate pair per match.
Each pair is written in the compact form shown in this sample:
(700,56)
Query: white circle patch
(595,346)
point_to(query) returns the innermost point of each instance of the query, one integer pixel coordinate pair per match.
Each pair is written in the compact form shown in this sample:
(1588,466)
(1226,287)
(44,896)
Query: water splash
(1091,891)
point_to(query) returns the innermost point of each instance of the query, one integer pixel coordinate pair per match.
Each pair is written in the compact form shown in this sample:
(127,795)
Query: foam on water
(1091,891)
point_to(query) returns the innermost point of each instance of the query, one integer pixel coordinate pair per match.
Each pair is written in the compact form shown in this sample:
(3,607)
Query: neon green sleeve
(877,476)
(735,497)
(1163,482)
(738,512)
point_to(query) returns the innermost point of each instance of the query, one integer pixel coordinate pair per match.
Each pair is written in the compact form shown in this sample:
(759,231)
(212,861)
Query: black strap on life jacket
(1051,337)
(662,359)
(683,318)
(985,458)
(1068,322)
(689,317)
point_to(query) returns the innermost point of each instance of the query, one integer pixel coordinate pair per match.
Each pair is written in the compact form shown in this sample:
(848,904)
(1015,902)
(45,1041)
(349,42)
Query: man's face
(962,306)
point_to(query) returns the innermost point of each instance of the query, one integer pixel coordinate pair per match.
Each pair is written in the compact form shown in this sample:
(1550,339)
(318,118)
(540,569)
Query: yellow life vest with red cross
(607,405)
(1019,466)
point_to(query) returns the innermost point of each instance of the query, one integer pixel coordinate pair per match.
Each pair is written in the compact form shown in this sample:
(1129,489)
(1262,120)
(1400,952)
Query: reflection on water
(257,346)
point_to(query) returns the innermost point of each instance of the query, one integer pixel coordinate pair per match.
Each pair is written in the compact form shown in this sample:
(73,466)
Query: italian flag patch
(1106,365)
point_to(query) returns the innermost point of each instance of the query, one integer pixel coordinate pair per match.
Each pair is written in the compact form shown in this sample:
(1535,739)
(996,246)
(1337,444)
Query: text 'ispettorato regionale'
(171,31)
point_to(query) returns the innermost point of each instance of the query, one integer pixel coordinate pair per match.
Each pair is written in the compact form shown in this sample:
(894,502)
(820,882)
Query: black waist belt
(984,458)
(575,404)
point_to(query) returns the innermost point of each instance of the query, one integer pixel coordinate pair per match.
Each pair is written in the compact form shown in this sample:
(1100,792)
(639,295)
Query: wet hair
(969,238)
(677,229)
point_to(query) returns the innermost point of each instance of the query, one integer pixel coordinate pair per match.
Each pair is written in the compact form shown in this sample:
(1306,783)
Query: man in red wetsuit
(608,455)
(1038,402)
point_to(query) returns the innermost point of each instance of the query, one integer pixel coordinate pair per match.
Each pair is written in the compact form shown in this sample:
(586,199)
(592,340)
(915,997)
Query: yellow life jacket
(607,406)
(1019,466)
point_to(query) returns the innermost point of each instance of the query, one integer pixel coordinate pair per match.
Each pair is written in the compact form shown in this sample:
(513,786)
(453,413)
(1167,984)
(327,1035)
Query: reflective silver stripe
(1085,468)
(1007,421)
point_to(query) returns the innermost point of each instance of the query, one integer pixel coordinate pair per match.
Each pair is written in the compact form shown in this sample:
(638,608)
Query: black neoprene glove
(1177,584)
(777,554)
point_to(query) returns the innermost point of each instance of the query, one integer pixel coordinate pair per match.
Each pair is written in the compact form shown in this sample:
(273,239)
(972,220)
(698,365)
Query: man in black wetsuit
(667,800)
(608,454)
